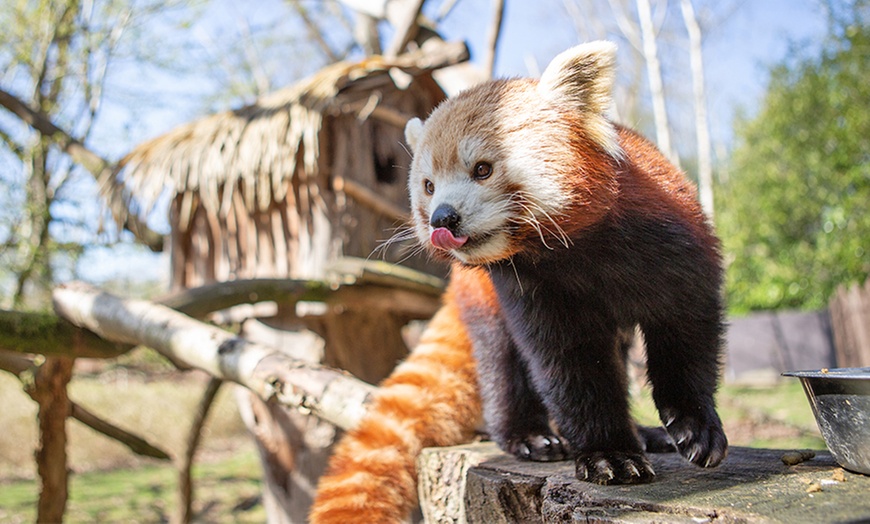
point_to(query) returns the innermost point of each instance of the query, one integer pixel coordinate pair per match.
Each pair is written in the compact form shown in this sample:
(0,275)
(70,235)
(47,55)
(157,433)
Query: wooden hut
(304,175)
(281,189)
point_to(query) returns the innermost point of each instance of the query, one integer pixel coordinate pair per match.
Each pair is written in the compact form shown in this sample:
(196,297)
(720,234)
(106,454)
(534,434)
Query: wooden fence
(850,322)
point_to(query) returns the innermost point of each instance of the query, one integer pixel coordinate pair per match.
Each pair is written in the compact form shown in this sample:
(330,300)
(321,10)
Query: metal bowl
(840,399)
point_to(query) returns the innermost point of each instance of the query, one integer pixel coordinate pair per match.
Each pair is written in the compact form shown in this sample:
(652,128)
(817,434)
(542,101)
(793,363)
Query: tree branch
(315,32)
(185,480)
(494,33)
(333,395)
(358,282)
(18,365)
(46,334)
(102,170)
(405,24)
(137,444)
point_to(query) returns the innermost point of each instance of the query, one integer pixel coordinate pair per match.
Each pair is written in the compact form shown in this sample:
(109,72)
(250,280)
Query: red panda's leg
(583,383)
(653,439)
(683,367)
(515,414)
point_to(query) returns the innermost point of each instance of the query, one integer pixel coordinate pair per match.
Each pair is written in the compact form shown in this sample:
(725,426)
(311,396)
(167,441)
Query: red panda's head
(516,164)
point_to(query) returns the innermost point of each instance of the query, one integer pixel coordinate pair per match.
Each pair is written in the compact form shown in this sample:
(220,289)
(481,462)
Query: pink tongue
(442,238)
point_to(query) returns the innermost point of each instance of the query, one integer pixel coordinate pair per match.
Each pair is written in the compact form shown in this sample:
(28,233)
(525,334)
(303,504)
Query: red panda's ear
(582,75)
(582,78)
(413,132)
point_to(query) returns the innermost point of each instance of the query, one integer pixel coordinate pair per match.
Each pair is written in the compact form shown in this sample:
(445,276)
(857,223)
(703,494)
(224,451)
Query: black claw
(525,451)
(613,467)
(701,442)
(543,448)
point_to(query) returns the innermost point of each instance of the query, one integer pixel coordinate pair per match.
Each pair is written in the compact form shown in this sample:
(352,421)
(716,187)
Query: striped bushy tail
(431,399)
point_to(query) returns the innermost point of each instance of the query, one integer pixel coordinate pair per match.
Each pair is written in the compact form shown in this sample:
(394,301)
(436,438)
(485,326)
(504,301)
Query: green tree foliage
(795,212)
(54,58)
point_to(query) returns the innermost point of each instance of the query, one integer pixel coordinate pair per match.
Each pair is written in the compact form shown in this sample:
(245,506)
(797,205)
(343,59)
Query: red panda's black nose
(445,216)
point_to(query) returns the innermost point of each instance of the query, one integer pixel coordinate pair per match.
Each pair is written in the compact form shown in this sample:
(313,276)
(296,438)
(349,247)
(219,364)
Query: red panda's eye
(429,186)
(482,171)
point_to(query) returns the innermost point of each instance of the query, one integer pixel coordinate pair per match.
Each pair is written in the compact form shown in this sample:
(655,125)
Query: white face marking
(494,249)
(489,214)
(471,150)
(480,204)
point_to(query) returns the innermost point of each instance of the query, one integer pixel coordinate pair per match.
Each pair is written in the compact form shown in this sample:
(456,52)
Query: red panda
(431,399)
(565,230)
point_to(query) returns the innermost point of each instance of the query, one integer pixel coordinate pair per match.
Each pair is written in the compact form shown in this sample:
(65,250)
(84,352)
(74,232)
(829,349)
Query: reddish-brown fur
(622,194)
(430,400)
(434,396)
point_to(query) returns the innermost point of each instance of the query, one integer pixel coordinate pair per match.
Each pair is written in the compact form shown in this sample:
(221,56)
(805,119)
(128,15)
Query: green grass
(147,494)
(777,416)
(786,402)
(159,410)
(109,484)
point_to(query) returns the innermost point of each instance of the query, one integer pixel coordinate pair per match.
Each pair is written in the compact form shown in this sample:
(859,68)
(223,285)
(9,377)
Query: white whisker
(412,253)
(557,231)
(516,274)
(533,221)
(560,233)
(402,234)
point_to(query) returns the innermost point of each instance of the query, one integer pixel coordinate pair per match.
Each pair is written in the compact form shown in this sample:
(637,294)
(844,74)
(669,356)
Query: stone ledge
(478,483)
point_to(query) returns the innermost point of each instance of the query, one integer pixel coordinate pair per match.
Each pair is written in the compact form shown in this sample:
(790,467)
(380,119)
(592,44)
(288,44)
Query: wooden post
(49,391)
(184,511)
(850,323)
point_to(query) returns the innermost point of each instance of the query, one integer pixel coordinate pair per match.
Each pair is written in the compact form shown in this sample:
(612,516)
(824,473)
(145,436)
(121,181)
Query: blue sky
(737,54)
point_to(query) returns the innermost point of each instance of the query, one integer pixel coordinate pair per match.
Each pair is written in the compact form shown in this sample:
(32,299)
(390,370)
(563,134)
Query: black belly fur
(555,350)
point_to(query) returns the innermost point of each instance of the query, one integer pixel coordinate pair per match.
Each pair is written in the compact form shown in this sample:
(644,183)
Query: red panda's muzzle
(443,238)
(446,220)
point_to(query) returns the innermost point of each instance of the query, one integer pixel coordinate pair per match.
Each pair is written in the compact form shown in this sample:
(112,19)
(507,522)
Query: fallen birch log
(332,395)
(45,334)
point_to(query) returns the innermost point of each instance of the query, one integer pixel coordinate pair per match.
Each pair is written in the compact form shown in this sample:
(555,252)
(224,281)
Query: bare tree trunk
(49,390)
(494,33)
(315,32)
(35,253)
(702,130)
(654,72)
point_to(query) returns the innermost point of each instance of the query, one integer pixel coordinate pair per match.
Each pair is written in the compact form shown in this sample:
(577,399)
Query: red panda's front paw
(701,442)
(613,467)
(655,440)
(537,447)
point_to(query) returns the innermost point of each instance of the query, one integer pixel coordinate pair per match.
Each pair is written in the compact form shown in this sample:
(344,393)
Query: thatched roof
(304,175)
(259,146)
